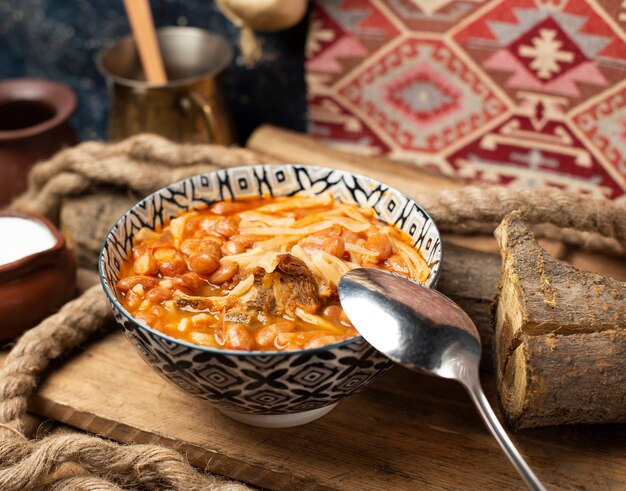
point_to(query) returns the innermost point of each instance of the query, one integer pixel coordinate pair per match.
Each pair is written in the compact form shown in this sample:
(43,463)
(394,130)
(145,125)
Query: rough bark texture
(560,338)
(470,278)
(86,219)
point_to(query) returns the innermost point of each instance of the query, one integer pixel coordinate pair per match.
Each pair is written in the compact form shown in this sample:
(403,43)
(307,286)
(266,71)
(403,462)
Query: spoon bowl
(425,331)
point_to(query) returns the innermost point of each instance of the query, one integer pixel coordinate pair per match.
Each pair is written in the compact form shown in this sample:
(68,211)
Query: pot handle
(208,117)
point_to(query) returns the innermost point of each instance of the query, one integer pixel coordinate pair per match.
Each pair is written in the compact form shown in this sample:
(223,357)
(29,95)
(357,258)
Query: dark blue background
(58,39)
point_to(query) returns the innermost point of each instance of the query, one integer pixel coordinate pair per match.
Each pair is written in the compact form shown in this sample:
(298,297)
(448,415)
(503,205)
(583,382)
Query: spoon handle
(484,408)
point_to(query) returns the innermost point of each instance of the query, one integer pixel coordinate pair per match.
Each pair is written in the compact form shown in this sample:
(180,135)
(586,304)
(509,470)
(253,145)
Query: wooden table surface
(405,431)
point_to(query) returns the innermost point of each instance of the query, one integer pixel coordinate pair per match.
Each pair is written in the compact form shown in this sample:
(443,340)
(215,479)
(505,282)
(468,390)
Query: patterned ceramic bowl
(274,389)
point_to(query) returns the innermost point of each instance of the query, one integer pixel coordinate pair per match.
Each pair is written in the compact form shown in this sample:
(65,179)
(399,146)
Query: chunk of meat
(291,286)
(263,300)
(200,303)
(240,314)
(295,288)
(185,302)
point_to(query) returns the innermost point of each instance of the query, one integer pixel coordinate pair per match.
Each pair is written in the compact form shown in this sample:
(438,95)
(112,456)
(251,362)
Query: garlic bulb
(264,15)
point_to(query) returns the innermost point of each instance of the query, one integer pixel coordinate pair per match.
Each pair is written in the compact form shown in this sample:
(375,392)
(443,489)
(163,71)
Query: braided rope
(38,346)
(108,465)
(577,220)
(143,163)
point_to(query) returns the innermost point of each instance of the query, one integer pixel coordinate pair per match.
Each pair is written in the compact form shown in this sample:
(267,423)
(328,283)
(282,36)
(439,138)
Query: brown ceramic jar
(34,125)
(34,286)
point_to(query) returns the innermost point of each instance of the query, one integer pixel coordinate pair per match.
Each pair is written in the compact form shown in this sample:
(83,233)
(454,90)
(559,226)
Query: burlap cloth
(143,164)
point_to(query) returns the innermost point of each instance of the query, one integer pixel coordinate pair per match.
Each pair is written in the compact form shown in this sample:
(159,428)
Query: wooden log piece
(85,220)
(560,338)
(470,278)
(280,145)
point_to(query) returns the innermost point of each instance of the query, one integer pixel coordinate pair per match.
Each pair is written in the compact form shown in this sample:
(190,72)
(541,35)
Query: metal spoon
(424,331)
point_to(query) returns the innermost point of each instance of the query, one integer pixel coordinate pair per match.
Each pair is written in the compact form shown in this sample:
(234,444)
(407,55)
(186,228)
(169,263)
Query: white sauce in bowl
(21,237)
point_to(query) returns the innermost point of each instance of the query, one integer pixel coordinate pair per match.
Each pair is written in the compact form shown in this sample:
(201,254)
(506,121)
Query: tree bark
(560,337)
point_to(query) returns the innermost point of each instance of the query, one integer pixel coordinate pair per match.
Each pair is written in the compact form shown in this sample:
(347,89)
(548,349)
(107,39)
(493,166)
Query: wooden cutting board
(405,431)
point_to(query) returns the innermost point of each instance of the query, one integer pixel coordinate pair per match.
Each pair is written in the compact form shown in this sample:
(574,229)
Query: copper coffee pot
(189,107)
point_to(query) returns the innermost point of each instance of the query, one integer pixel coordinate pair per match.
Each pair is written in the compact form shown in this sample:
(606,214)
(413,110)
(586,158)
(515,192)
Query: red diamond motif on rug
(420,96)
(568,50)
(547,50)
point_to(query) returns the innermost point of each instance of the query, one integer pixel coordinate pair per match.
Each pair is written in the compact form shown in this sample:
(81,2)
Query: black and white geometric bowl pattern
(262,383)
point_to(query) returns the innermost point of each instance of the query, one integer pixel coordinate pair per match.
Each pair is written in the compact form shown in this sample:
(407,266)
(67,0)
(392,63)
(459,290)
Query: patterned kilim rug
(527,92)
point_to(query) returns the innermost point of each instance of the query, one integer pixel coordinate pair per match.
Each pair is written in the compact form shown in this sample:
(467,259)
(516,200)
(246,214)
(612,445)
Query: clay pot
(35,286)
(34,125)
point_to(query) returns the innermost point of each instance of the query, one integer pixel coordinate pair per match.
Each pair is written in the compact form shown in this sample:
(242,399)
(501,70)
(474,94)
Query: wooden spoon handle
(141,22)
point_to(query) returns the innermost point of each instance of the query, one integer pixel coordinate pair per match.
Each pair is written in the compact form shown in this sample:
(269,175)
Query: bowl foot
(279,420)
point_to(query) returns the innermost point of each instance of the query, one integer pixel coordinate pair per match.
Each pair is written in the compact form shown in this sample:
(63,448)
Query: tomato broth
(259,274)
